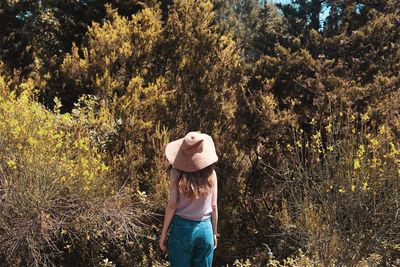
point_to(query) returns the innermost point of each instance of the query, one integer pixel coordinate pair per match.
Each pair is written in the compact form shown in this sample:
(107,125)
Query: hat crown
(192,152)
(192,142)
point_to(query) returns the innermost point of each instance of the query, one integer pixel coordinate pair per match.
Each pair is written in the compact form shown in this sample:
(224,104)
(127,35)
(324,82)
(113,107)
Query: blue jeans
(190,243)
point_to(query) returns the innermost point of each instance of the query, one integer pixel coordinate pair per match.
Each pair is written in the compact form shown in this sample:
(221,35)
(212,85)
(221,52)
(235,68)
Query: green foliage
(334,185)
(59,195)
(115,66)
(203,68)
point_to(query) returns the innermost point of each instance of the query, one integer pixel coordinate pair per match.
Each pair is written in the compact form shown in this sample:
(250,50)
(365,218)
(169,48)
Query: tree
(36,35)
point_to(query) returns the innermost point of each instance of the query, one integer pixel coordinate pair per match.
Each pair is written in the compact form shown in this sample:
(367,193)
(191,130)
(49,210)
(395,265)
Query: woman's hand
(163,242)
(215,241)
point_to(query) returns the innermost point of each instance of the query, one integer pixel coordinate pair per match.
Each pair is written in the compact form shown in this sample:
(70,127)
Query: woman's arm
(171,208)
(214,205)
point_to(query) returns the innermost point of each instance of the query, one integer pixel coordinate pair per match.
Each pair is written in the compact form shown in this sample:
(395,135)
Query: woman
(191,215)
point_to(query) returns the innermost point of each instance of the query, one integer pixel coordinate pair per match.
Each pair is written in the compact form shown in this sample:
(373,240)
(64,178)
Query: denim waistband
(178,219)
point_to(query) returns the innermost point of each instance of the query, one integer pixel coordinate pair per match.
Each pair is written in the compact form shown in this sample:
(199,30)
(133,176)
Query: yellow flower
(317,135)
(382,130)
(107,262)
(56,136)
(85,162)
(365,117)
(313,121)
(11,163)
(356,164)
(374,142)
(32,141)
(361,151)
(353,187)
(365,186)
(41,132)
(330,148)
(289,147)
(298,144)
(14,122)
(328,128)
(68,247)
(141,193)
(16,131)
(292,103)
(341,190)
(104,167)
(375,162)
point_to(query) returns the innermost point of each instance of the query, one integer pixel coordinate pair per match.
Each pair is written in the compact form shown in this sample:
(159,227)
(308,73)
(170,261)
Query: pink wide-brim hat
(191,153)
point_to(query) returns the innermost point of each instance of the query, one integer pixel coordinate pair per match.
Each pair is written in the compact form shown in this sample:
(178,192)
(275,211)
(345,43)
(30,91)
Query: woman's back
(191,208)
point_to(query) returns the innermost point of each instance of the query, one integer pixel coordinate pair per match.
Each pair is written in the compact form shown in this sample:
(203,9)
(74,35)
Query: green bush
(339,188)
(60,200)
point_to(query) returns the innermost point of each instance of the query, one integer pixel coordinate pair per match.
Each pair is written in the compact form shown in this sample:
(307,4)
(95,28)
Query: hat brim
(193,162)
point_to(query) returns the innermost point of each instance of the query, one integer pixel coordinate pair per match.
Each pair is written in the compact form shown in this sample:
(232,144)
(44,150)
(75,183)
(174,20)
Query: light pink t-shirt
(191,208)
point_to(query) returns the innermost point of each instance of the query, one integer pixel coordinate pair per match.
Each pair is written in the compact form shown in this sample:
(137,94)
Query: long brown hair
(196,184)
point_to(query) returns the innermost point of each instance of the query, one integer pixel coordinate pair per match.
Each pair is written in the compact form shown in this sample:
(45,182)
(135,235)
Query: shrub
(339,188)
(59,198)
